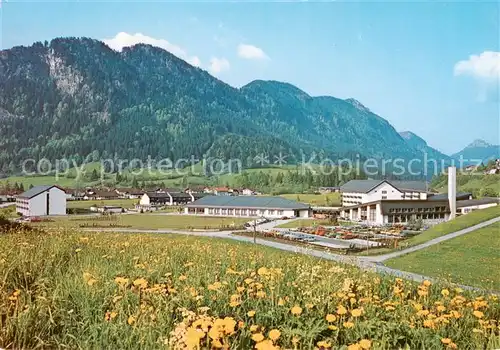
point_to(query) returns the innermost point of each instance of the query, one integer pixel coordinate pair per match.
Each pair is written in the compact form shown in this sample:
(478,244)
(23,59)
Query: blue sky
(401,60)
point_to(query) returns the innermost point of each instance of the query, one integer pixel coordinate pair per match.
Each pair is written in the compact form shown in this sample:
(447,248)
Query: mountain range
(77,98)
(478,151)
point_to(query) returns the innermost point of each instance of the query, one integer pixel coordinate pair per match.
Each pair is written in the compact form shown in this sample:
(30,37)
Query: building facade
(357,192)
(248,206)
(41,201)
(154,199)
(386,212)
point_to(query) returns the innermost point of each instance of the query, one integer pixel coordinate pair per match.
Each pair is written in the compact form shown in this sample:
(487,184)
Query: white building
(357,192)
(467,206)
(248,206)
(42,200)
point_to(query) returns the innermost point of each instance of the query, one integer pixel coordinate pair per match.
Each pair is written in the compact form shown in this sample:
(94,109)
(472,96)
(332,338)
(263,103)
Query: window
(384,197)
(280,212)
(384,192)
(270,212)
(236,212)
(216,211)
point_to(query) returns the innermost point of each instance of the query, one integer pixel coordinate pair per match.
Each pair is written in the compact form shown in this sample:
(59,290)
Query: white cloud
(123,39)
(218,65)
(251,52)
(485,66)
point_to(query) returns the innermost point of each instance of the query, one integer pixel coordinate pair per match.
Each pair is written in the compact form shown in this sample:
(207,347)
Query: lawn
(471,259)
(146,221)
(442,229)
(125,203)
(322,200)
(457,224)
(128,291)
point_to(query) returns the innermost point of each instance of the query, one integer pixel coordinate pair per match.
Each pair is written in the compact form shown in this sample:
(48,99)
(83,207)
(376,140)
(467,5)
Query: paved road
(371,263)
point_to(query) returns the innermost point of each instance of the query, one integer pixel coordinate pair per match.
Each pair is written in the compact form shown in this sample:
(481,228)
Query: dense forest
(78,99)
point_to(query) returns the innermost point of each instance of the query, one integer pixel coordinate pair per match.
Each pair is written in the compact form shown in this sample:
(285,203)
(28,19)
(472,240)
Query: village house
(167,198)
(42,200)
(129,193)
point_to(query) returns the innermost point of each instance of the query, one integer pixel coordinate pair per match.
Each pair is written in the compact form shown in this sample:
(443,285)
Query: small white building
(248,206)
(467,206)
(42,200)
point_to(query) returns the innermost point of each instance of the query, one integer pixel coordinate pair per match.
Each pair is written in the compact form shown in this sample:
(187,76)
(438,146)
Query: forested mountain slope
(72,97)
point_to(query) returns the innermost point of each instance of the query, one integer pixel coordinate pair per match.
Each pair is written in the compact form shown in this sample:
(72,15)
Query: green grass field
(70,290)
(471,259)
(322,200)
(125,203)
(146,221)
(442,229)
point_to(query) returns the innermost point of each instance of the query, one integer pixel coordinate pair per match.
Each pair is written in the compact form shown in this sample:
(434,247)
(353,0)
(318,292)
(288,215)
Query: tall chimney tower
(452,191)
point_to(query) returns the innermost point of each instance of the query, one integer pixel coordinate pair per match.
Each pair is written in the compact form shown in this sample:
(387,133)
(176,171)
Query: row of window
(243,212)
(417,210)
(351,196)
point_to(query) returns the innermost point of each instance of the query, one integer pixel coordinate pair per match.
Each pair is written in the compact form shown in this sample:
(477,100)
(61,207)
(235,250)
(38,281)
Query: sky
(432,68)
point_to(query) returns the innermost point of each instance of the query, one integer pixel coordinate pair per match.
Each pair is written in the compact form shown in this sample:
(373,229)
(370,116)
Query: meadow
(472,259)
(321,200)
(64,289)
(144,222)
(124,203)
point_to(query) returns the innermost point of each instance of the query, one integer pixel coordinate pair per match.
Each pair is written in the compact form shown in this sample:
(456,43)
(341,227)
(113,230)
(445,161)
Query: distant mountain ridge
(478,151)
(420,144)
(77,98)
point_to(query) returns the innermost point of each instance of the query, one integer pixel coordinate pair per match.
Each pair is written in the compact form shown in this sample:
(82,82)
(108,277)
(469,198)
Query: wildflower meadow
(63,289)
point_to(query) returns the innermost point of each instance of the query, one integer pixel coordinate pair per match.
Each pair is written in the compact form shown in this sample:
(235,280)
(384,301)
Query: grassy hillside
(329,199)
(480,185)
(442,229)
(121,291)
(471,259)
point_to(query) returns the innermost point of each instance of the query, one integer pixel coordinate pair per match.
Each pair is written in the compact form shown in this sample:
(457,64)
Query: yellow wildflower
(296,310)
(331,318)
(341,310)
(251,313)
(323,345)
(131,320)
(348,324)
(365,344)
(445,292)
(445,340)
(257,337)
(121,280)
(141,283)
(274,334)
(356,312)
(478,314)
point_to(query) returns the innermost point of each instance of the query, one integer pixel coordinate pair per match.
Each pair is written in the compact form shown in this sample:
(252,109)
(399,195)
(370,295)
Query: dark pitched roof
(473,202)
(157,195)
(35,191)
(444,196)
(248,202)
(364,186)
